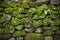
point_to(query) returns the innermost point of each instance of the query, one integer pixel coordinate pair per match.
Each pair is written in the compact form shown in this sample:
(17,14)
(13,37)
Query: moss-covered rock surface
(29,20)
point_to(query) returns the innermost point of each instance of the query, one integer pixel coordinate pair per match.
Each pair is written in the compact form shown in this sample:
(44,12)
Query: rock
(54,2)
(12,38)
(19,27)
(1,14)
(5,36)
(37,23)
(27,25)
(19,38)
(9,17)
(46,28)
(46,21)
(32,4)
(32,10)
(30,30)
(16,0)
(19,33)
(15,21)
(7,1)
(9,29)
(48,38)
(48,32)
(41,1)
(54,28)
(33,36)
(1,31)
(38,30)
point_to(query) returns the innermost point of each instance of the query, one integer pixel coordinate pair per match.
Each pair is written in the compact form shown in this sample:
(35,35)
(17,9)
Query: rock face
(29,20)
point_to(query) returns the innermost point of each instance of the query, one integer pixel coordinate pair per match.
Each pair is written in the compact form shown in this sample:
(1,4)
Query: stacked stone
(29,20)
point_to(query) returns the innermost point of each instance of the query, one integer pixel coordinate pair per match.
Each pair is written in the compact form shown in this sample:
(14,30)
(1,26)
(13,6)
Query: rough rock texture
(29,20)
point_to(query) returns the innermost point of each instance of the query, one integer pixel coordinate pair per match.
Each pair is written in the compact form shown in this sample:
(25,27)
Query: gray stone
(41,1)
(27,25)
(12,38)
(8,17)
(7,1)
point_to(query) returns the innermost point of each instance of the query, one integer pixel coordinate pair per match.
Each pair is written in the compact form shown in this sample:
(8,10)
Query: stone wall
(29,20)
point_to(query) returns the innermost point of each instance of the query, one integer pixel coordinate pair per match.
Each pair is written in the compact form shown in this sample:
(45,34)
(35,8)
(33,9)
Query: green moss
(9,29)
(1,31)
(3,18)
(32,10)
(53,28)
(33,36)
(18,17)
(15,21)
(37,23)
(48,32)
(19,33)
